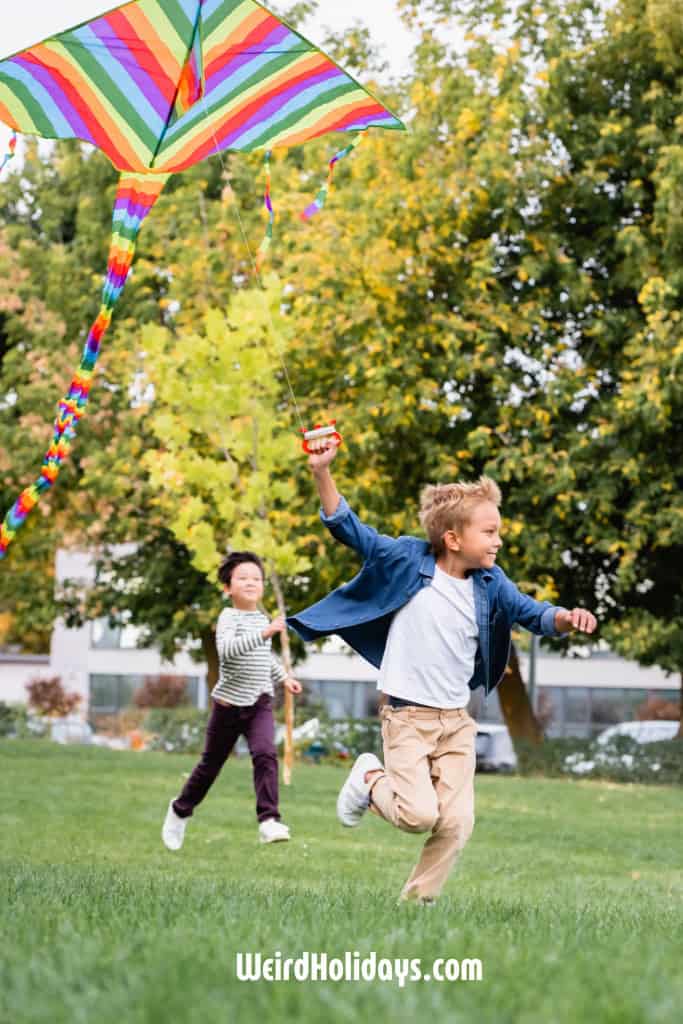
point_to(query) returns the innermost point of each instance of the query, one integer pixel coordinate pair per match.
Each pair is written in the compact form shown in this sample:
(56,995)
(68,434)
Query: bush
(657,708)
(176,730)
(121,723)
(622,760)
(162,692)
(16,723)
(48,697)
(349,737)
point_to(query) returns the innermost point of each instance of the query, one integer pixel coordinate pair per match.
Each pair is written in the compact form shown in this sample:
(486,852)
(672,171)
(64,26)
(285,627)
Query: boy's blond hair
(449,507)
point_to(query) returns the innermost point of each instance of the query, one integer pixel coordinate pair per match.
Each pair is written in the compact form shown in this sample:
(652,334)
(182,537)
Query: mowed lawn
(570,893)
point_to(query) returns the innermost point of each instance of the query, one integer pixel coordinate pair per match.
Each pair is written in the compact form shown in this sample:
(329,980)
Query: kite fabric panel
(161,84)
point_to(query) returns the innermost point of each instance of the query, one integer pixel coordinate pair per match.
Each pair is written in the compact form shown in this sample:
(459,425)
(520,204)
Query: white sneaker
(354,796)
(173,830)
(272,831)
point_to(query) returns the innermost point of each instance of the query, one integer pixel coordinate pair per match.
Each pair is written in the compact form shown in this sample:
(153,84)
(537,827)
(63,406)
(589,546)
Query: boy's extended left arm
(537,616)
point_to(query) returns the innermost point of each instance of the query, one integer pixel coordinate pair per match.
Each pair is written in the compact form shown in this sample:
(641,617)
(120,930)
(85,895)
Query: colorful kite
(158,85)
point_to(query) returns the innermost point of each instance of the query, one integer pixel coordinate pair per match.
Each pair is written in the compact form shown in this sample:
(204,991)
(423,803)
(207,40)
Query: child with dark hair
(242,702)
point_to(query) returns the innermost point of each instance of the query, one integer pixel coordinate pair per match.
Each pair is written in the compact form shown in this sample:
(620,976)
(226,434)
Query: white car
(652,731)
(495,752)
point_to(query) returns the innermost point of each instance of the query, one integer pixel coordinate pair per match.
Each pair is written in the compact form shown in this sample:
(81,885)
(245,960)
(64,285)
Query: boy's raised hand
(323,450)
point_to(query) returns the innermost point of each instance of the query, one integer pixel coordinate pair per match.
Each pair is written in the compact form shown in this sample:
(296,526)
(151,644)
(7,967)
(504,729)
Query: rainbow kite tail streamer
(135,197)
(265,245)
(11,148)
(319,201)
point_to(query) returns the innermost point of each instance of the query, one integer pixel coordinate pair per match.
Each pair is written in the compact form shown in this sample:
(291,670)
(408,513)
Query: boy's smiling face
(476,545)
(246,586)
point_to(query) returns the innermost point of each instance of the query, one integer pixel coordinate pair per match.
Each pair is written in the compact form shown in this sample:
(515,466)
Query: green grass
(569,892)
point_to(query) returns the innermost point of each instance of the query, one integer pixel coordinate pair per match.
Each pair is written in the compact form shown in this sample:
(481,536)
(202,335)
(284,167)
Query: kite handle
(318,431)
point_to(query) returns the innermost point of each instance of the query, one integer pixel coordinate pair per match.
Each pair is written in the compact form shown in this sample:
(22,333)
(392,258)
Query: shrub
(622,760)
(349,737)
(48,697)
(15,723)
(121,723)
(162,692)
(658,708)
(176,730)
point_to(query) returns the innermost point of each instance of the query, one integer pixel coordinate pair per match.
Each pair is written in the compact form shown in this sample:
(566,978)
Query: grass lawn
(570,893)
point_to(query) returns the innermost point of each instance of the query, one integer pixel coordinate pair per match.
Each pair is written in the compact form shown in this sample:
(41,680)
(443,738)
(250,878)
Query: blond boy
(435,618)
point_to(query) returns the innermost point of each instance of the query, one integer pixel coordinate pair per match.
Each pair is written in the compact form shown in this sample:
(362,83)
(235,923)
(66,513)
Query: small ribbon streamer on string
(265,245)
(319,201)
(10,151)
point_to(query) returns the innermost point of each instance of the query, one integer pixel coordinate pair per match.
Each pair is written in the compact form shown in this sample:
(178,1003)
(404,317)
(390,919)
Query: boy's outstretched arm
(341,521)
(545,619)
(319,461)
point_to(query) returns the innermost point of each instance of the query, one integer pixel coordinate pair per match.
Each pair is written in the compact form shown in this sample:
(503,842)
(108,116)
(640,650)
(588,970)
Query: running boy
(242,703)
(435,617)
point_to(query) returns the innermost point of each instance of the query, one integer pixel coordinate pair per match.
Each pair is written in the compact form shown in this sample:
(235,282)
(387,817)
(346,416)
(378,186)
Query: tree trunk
(210,657)
(288,760)
(515,704)
(679,734)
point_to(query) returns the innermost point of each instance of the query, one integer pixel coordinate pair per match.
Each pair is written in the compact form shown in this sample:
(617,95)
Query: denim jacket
(394,570)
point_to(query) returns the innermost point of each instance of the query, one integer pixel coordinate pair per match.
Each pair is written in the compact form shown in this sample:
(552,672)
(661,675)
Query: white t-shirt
(432,644)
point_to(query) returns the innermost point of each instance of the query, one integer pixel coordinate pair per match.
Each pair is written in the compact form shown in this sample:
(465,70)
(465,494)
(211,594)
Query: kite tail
(319,201)
(265,245)
(11,147)
(135,197)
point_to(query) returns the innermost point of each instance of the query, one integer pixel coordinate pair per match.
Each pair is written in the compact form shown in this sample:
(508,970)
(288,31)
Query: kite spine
(135,197)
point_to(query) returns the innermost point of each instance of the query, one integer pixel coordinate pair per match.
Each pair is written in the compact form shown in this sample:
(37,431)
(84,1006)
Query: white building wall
(16,670)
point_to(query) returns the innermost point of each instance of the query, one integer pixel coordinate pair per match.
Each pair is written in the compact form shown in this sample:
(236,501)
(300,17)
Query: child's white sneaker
(173,829)
(272,831)
(354,796)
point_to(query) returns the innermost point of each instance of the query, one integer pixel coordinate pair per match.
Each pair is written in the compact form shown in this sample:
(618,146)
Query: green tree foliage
(498,290)
(222,472)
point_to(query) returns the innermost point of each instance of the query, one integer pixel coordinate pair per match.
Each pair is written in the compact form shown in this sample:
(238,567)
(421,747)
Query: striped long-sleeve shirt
(247,666)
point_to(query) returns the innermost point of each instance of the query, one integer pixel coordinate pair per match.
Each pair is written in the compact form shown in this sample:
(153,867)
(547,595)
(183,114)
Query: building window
(586,711)
(104,637)
(112,693)
(345,698)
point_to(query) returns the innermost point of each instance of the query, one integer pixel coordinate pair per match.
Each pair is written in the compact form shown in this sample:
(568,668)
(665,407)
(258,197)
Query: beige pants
(428,785)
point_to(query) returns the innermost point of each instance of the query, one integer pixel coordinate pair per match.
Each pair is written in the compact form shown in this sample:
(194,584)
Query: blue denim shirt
(394,570)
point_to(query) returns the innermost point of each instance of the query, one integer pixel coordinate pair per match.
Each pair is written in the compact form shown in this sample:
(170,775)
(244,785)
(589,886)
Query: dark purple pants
(226,725)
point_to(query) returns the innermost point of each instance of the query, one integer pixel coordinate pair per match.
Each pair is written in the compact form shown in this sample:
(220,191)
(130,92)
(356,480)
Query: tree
(223,472)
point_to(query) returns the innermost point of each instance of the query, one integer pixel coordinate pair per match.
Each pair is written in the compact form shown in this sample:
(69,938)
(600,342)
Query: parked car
(494,749)
(651,731)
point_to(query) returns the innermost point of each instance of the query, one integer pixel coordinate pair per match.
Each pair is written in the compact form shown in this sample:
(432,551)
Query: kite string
(279,347)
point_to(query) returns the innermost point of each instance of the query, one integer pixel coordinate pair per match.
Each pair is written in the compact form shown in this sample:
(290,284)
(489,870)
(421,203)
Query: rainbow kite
(158,85)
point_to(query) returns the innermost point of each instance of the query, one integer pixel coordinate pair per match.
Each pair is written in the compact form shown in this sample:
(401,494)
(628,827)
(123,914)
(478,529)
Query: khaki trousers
(428,785)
